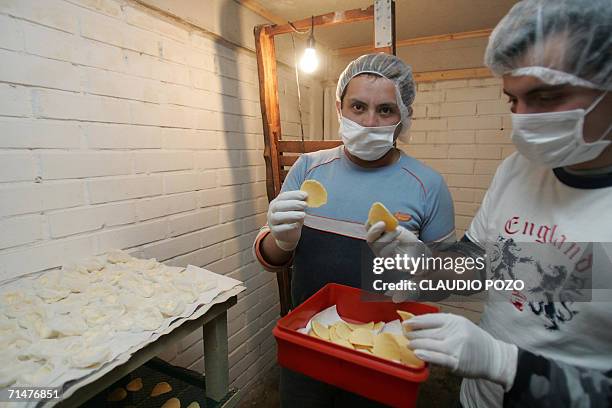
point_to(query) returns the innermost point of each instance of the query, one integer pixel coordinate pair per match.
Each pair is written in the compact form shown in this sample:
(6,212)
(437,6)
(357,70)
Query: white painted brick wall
(70,106)
(23,198)
(11,34)
(107,189)
(121,127)
(38,71)
(33,134)
(73,221)
(463,132)
(163,205)
(21,230)
(15,100)
(17,166)
(67,165)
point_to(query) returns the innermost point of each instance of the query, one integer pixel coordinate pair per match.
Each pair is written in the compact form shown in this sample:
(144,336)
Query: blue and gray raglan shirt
(332,246)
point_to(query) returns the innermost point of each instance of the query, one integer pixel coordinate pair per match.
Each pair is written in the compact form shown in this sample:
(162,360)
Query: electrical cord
(297,80)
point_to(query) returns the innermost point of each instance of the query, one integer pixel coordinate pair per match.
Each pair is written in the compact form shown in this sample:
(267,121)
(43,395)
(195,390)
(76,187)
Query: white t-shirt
(529,203)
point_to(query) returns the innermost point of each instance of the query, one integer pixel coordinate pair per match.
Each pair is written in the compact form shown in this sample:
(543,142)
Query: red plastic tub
(375,378)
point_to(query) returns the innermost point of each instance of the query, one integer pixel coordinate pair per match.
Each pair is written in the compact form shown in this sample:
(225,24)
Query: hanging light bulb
(309,61)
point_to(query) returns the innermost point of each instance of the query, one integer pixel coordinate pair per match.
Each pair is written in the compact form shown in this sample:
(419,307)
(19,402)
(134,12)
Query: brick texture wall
(461,128)
(121,128)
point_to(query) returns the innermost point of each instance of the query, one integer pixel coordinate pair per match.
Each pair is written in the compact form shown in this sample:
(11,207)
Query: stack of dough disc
(365,337)
(65,318)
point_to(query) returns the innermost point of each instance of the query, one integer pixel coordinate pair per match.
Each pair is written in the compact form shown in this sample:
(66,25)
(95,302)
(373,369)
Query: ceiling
(414,18)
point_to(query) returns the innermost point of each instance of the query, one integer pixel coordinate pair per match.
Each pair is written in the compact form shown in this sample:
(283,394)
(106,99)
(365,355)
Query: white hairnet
(390,67)
(559,42)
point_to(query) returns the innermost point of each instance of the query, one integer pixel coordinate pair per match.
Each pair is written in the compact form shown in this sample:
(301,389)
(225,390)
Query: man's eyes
(512,101)
(545,97)
(536,100)
(386,110)
(382,110)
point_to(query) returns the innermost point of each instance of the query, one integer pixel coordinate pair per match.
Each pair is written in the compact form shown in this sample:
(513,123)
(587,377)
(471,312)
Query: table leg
(216,365)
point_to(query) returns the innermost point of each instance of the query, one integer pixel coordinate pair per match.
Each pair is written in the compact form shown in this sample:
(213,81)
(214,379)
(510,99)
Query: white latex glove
(286,217)
(455,342)
(388,244)
(398,242)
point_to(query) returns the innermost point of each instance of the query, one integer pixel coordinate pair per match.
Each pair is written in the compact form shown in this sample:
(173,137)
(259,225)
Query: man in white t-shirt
(534,348)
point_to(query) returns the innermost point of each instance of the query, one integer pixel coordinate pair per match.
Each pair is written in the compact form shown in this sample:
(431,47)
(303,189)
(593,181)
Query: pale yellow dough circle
(342,330)
(404,315)
(361,337)
(320,330)
(408,358)
(317,195)
(386,346)
(401,340)
(333,336)
(378,212)
(344,343)
(355,326)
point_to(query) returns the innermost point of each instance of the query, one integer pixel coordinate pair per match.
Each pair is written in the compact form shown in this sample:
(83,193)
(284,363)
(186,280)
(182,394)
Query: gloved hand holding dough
(286,217)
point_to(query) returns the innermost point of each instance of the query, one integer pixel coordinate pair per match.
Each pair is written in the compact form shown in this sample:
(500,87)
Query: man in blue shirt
(373,99)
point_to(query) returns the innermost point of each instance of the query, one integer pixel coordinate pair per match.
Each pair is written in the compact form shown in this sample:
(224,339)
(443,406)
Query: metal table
(216,367)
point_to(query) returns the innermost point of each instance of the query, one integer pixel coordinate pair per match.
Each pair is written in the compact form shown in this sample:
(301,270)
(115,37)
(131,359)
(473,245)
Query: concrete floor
(440,391)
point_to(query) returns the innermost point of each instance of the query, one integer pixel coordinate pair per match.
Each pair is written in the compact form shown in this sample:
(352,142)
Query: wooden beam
(270,115)
(290,146)
(270,111)
(284,174)
(288,160)
(325,20)
(431,39)
(465,73)
(447,37)
(262,11)
(283,279)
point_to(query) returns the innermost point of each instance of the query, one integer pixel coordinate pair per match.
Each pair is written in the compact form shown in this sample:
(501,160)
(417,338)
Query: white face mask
(554,139)
(366,143)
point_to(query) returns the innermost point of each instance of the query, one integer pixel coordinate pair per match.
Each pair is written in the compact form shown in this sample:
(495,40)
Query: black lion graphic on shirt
(506,256)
